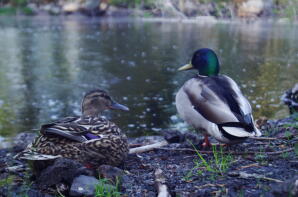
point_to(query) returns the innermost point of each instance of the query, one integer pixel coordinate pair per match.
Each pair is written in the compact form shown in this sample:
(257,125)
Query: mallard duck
(213,103)
(89,138)
(290,98)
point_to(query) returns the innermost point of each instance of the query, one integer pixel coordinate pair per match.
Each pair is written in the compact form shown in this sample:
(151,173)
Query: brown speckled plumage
(90,139)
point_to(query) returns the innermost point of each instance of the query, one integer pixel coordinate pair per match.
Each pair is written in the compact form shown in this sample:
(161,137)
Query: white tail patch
(37,157)
(238,132)
(257,132)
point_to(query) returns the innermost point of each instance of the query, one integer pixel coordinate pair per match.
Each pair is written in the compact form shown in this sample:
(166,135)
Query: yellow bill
(186,67)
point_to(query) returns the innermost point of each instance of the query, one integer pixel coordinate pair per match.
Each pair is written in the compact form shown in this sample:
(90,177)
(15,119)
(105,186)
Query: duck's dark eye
(95,96)
(107,97)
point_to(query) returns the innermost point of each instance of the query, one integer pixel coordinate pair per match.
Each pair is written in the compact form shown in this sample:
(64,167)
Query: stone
(62,170)
(83,186)
(111,173)
(5,142)
(36,193)
(22,140)
(250,8)
(287,188)
(145,140)
(71,7)
(94,7)
(173,136)
(55,10)
(192,139)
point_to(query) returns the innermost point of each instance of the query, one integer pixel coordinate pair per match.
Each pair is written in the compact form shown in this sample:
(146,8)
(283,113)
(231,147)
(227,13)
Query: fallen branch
(210,185)
(245,175)
(227,152)
(279,152)
(248,166)
(264,138)
(160,184)
(205,151)
(148,147)
(135,145)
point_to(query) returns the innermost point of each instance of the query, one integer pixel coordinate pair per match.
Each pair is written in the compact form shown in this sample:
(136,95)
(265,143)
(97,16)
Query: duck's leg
(206,142)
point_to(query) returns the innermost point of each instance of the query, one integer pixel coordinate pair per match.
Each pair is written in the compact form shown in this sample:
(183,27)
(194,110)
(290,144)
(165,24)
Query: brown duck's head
(96,101)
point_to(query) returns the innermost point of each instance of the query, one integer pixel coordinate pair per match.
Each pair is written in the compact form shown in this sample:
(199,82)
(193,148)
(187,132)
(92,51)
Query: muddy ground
(267,166)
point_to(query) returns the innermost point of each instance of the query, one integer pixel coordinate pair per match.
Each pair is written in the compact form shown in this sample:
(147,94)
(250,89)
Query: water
(47,64)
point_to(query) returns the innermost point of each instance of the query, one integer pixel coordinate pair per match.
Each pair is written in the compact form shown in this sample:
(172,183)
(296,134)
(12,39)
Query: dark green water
(47,64)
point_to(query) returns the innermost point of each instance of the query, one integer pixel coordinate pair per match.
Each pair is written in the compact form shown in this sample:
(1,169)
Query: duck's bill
(186,67)
(119,106)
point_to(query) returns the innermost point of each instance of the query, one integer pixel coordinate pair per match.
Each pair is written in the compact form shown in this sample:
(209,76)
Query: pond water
(47,64)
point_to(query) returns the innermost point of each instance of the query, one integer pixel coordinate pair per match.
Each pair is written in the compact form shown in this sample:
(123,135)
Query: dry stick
(159,146)
(148,147)
(264,138)
(245,175)
(160,184)
(227,152)
(248,166)
(135,145)
(279,152)
(210,185)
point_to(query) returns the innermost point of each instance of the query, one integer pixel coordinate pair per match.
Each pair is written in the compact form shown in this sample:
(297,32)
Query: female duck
(213,103)
(90,139)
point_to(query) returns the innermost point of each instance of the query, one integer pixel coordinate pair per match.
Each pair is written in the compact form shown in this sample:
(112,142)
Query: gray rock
(173,136)
(111,173)
(191,139)
(146,140)
(83,186)
(71,7)
(63,170)
(35,193)
(55,10)
(287,188)
(22,140)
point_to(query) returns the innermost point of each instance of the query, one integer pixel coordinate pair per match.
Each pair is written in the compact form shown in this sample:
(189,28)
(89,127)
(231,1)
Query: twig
(210,185)
(160,184)
(279,152)
(205,151)
(227,152)
(264,138)
(148,147)
(245,175)
(248,166)
(135,145)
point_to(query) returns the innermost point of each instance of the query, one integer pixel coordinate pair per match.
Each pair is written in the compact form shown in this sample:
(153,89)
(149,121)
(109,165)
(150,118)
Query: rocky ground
(182,9)
(266,166)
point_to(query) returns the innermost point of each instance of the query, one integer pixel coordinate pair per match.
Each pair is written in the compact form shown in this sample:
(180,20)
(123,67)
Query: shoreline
(266,164)
(192,20)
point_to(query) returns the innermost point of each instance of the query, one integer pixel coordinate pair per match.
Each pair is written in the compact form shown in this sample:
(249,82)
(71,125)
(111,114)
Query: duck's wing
(69,127)
(219,100)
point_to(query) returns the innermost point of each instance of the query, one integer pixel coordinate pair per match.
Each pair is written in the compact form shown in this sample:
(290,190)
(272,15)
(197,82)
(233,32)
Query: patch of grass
(218,165)
(296,148)
(27,11)
(104,189)
(261,157)
(8,11)
(293,125)
(7,181)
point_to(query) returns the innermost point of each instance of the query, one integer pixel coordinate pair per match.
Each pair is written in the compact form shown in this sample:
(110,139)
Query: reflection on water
(48,64)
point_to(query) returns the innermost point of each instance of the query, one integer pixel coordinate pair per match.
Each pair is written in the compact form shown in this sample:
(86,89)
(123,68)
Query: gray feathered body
(216,106)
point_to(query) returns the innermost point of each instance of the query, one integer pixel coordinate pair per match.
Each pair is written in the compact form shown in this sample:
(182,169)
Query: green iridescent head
(205,61)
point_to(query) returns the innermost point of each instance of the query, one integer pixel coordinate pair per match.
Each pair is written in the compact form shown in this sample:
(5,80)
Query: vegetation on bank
(187,8)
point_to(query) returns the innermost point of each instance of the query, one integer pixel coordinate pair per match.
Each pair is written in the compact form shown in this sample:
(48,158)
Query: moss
(8,11)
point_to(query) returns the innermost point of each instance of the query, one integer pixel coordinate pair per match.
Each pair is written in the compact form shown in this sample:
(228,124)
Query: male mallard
(90,139)
(214,103)
(290,98)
